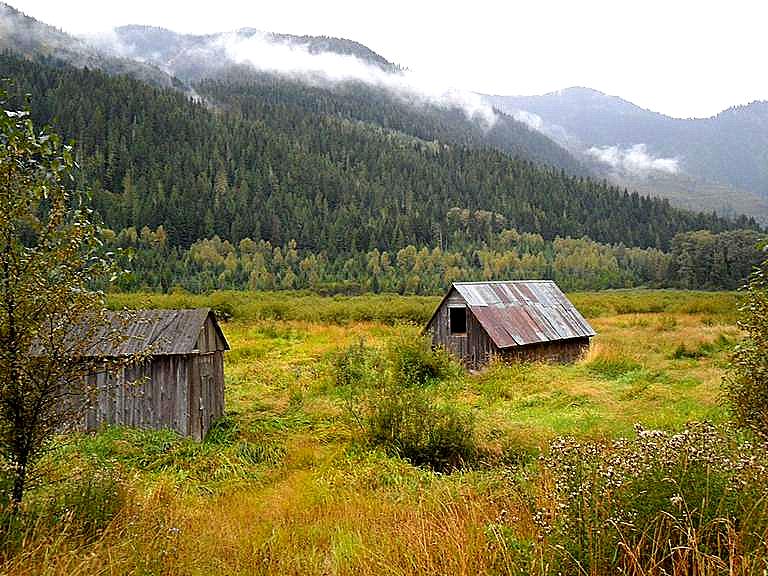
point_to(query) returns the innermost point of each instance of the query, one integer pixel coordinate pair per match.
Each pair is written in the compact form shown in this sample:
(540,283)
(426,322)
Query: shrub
(356,365)
(386,397)
(746,387)
(653,497)
(612,365)
(224,310)
(414,362)
(682,351)
(703,350)
(409,424)
(355,370)
(666,323)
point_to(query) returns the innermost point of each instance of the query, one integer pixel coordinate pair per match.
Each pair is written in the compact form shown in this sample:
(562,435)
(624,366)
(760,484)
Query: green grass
(305,306)
(287,484)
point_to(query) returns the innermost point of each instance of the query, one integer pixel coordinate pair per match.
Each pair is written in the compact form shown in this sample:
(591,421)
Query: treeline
(697,260)
(337,187)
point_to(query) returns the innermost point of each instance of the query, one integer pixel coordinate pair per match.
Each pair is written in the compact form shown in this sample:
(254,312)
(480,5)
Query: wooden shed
(179,384)
(517,320)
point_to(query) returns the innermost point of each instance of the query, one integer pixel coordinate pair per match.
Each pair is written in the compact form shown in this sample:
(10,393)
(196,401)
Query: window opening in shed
(457,321)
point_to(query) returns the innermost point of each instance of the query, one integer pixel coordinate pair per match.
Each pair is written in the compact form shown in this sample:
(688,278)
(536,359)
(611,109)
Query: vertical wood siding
(562,351)
(182,393)
(209,340)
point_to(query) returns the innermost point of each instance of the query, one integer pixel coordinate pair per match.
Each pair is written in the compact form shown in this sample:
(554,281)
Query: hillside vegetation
(281,188)
(154,158)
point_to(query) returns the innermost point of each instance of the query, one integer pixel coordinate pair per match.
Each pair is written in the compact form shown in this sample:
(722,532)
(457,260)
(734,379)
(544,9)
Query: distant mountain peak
(713,163)
(578,91)
(192,57)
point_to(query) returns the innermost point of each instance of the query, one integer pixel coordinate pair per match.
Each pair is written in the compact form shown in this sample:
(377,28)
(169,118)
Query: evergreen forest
(266,182)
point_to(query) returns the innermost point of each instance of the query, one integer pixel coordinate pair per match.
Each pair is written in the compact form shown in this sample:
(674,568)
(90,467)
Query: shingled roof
(159,332)
(522,312)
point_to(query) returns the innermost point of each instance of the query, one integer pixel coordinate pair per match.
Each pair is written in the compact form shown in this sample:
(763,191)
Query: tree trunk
(19,483)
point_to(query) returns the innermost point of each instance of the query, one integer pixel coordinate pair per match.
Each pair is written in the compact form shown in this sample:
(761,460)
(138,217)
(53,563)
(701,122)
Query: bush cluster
(414,362)
(391,397)
(746,387)
(413,425)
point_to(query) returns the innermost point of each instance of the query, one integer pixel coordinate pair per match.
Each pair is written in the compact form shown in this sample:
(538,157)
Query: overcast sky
(681,58)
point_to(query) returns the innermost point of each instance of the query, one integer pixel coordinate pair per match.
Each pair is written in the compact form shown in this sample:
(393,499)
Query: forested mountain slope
(729,149)
(155,158)
(34,39)
(277,99)
(333,76)
(352,80)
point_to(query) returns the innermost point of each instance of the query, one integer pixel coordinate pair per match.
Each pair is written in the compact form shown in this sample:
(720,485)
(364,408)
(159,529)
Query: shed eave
(531,344)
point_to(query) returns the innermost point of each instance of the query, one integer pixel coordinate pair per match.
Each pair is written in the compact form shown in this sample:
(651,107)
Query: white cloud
(533,121)
(635,159)
(261,52)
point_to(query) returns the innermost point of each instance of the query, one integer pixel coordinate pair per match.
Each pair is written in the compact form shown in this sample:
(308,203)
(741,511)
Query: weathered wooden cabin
(517,320)
(179,384)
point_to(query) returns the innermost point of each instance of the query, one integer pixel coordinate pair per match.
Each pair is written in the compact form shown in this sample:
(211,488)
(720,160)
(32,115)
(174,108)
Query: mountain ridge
(725,155)
(199,58)
(206,56)
(189,57)
(25,35)
(169,59)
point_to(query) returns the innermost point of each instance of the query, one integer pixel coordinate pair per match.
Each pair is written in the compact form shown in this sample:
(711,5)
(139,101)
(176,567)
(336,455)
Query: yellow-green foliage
(391,308)
(384,308)
(288,483)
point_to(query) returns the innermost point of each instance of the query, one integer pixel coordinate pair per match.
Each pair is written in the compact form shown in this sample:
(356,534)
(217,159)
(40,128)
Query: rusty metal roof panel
(496,330)
(582,322)
(527,293)
(543,293)
(517,313)
(561,327)
(542,315)
(156,332)
(507,293)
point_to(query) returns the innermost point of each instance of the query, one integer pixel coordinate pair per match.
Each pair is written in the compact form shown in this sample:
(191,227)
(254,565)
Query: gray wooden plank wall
(474,348)
(154,394)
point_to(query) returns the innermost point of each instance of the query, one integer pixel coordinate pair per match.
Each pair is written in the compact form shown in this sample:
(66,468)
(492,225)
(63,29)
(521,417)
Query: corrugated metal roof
(159,332)
(516,313)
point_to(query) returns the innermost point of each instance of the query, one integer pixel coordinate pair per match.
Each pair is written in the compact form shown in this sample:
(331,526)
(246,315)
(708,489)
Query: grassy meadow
(290,482)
